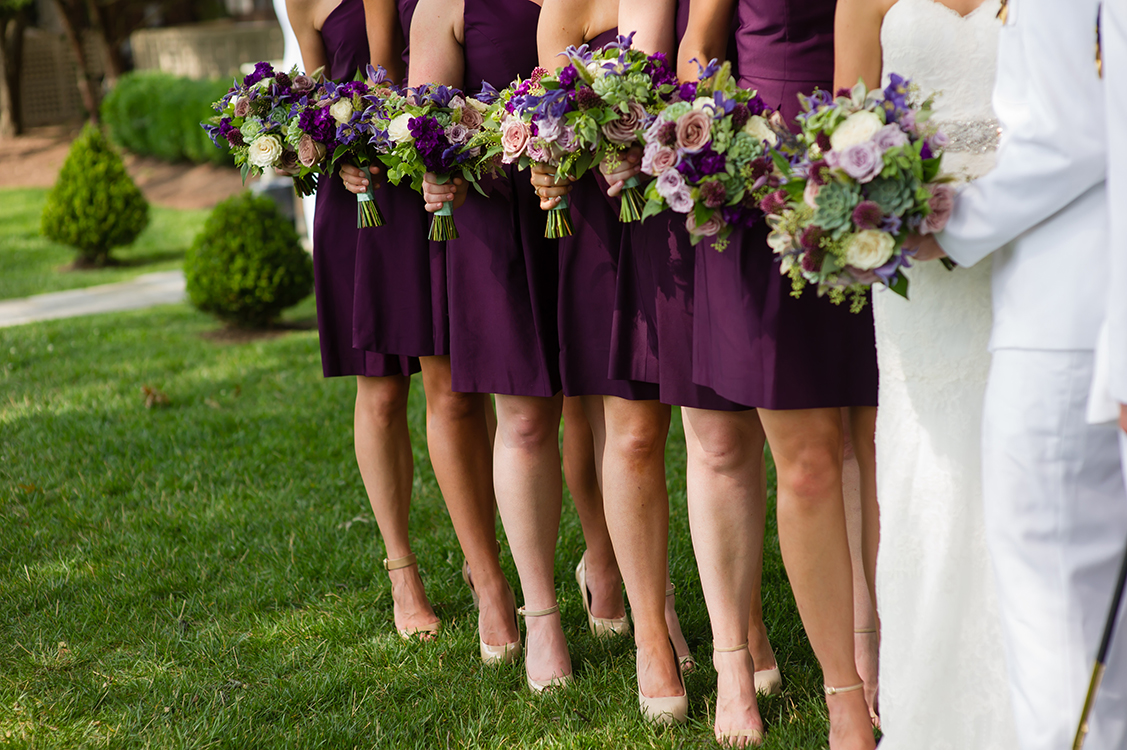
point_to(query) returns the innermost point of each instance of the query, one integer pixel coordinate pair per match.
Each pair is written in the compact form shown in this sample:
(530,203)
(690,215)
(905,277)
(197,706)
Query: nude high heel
(755,736)
(667,710)
(427,633)
(539,686)
(600,627)
(491,655)
(687,662)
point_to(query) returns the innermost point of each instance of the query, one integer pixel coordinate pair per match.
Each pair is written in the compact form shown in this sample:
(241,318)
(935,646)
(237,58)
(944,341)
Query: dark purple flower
(867,215)
(713,193)
(819,173)
(760,167)
(774,203)
(811,238)
(741,215)
(234,137)
(812,259)
(757,106)
(261,70)
(568,77)
(586,98)
(695,167)
(283,80)
(667,134)
(925,152)
(688,91)
(740,115)
(823,142)
(843,91)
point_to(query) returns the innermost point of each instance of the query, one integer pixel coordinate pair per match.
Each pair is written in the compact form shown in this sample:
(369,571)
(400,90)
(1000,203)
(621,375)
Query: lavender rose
(694,131)
(623,131)
(514,139)
(567,140)
(681,200)
(458,134)
(890,136)
(942,202)
(669,182)
(309,151)
(862,161)
(302,82)
(471,118)
(657,158)
(242,107)
(538,151)
(549,128)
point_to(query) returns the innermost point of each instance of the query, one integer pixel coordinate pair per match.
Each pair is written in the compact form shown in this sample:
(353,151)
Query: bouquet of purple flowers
(258,118)
(440,130)
(596,106)
(867,178)
(710,154)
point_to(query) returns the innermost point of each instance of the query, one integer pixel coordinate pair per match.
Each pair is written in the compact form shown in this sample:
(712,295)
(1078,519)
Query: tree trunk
(11,65)
(86,88)
(98,27)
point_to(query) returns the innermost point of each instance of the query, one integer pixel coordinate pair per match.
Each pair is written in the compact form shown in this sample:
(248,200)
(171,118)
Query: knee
(456,406)
(527,431)
(638,441)
(812,477)
(381,401)
(724,450)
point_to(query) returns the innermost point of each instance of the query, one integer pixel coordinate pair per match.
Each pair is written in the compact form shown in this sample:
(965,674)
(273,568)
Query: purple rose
(862,161)
(549,128)
(458,134)
(623,131)
(302,82)
(890,136)
(567,141)
(941,203)
(538,152)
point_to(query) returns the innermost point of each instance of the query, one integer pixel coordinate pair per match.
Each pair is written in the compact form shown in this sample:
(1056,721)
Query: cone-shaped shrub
(94,205)
(247,265)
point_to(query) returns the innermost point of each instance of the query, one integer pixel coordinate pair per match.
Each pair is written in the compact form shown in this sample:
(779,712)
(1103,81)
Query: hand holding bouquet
(869,177)
(439,130)
(710,154)
(259,119)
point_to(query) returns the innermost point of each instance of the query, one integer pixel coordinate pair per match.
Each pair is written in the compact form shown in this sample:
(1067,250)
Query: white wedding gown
(942,675)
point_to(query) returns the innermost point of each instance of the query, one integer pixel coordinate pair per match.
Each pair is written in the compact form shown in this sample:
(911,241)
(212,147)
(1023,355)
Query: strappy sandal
(687,663)
(600,627)
(728,739)
(539,686)
(427,633)
(492,655)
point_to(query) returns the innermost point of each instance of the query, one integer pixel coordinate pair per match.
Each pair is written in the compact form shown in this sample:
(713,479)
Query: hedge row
(159,114)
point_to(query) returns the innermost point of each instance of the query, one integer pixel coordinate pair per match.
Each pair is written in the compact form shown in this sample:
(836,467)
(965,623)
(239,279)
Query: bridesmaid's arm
(385,37)
(654,23)
(857,51)
(706,37)
(438,56)
(304,23)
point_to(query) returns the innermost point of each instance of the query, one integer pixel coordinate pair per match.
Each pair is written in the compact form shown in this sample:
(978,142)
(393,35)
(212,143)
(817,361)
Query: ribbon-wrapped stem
(632,201)
(559,221)
(367,212)
(442,226)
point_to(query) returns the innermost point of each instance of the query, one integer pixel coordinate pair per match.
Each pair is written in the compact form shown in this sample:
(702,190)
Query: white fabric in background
(290,58)
(1056,521)
(943,682)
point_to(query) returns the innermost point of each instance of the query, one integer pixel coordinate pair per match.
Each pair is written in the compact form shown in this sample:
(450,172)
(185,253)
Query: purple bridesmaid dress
(400,291)
(334,227)
(753,341)
(503,274)
(652,332)
(588,272)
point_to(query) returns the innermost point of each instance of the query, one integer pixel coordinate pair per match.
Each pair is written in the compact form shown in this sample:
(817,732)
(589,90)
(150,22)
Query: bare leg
(460,453)
(727,515)
(863,524)
(526,473)
(583,443)
(637,513)
(383,453)
(807,446)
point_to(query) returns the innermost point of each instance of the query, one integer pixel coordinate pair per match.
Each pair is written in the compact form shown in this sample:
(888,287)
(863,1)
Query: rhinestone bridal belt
(970,136)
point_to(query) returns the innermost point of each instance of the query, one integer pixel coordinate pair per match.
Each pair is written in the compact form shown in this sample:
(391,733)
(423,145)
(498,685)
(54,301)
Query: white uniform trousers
(1056,525)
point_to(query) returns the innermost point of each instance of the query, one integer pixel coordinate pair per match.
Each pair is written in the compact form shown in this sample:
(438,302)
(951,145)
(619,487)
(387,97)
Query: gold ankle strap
(671,590)
(729,649)
(399,562)
(859,631)
(836,690)
(524,612)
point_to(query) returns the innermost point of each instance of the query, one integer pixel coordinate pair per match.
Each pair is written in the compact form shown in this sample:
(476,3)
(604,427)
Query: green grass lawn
(207,574)
(31,264)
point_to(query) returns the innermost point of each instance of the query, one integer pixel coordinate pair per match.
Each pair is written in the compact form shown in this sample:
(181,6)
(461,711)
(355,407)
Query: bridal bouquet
(710,154)
(868,178)
(344,123)
(258,119)
(594,107)
(440,130)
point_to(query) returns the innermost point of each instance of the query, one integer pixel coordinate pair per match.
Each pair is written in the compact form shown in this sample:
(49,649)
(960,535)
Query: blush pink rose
(681,200)
(242,107)
(309,151)
(694,131)
(710,228)
(942,202)
(514,139)
(623,131)
(810,194)
(657,158)
(471,118)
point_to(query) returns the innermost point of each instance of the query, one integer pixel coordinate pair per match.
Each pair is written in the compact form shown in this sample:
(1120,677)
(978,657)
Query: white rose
(705,103)
(479,106)
(264,151)
(397,129)
(869,249)
(757,128)
(341,110)
(857,128)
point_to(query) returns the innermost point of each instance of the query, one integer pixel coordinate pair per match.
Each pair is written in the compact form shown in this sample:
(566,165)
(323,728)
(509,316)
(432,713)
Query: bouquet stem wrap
(442,226)
(367,212)
(632,201)
(559,221)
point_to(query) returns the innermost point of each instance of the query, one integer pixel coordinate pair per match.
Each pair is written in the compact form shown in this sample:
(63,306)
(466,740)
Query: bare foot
(545,651)
(680,645)
(850,727)
(738,723)
(412,610)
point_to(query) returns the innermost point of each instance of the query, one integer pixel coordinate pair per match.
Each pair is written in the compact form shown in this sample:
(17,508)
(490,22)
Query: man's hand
(548,188)
(924,247)
(617,173)
(435,194)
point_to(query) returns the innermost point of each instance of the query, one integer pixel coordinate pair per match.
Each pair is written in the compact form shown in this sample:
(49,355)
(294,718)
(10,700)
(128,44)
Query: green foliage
(94,205)
(159,114)
(247,265)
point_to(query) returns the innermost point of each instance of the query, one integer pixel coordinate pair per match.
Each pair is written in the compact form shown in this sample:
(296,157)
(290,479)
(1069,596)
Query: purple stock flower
(741,215)
(688,91)
(261,70)
(695,167)
(568,76)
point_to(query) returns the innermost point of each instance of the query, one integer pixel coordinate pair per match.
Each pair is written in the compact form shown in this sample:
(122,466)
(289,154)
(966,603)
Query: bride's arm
(857,50)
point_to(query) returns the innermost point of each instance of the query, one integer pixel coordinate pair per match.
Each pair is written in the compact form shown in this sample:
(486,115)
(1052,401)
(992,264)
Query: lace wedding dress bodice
(942,675)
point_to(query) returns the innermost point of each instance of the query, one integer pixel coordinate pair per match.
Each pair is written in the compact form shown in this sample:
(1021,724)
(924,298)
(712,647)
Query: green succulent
(836,201)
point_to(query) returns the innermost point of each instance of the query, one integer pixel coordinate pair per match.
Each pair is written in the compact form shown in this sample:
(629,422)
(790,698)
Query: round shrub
(247,265)
(94,205)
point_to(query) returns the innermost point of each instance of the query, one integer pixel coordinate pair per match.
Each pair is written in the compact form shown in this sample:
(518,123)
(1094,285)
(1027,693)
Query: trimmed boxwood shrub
(247,265)
(159,114)
(94,205)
